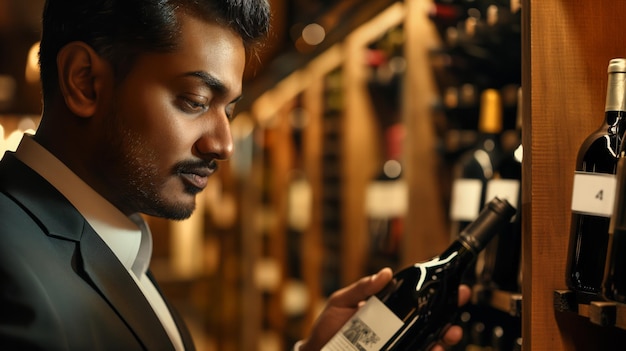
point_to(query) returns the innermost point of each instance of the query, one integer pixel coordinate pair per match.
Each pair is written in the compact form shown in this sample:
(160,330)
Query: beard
(128,168)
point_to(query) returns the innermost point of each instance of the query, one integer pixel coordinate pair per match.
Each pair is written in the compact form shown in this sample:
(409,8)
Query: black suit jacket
(61,287)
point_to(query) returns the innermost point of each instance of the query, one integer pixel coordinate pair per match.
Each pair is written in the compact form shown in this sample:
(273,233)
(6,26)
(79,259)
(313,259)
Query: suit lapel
(119,288)
(180,323)
(60,219)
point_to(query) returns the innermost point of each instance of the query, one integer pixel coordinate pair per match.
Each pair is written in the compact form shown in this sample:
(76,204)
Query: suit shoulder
(13,217)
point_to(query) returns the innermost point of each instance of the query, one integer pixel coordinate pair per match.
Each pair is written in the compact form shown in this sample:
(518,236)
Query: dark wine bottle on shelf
(594,192)
(386,194)
(502,257)
(411,312)
(614,281)
(386,203)
(467,108)
(477,166)
(484,45)
(475,169)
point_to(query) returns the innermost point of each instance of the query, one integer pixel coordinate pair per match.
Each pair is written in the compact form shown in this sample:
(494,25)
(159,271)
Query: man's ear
(82,74)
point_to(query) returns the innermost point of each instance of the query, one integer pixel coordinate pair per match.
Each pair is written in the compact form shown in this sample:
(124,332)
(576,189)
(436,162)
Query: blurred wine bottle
(386,197)
(476,168)
(502,257)
(480,50)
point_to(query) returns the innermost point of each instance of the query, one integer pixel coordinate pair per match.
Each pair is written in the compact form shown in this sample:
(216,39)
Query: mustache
(197,167)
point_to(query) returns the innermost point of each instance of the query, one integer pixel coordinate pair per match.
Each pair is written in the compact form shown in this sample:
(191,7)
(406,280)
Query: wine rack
(565,46)
(561,56)
(601,313)
(332,180)
(480,51)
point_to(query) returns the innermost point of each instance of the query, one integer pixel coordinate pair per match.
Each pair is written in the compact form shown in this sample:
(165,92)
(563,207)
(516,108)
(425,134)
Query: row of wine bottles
(478,70)
(482,173)
(481,42)
(597,248)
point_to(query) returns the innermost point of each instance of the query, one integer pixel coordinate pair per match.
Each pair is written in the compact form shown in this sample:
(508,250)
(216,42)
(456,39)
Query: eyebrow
(212,83)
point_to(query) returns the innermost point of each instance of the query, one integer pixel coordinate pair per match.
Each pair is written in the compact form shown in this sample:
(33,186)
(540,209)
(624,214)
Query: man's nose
(216,140)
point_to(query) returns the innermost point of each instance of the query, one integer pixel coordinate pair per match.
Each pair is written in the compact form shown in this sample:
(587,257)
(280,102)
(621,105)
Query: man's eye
(192,106)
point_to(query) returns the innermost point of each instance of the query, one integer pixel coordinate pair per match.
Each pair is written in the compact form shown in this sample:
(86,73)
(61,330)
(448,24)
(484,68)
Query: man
(137,100)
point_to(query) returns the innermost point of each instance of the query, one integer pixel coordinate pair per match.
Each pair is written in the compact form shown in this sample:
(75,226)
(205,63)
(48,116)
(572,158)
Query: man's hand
(345,302)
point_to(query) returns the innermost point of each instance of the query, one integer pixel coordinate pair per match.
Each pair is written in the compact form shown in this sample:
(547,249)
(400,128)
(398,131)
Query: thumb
(360,290)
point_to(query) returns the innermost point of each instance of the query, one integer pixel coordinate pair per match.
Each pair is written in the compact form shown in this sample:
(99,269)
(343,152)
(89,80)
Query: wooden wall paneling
(312,250)
(427,222)
(282,157)
(566,49)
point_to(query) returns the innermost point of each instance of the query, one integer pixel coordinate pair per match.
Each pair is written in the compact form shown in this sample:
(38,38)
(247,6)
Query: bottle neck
(615,119)
(394,140)
(616,88)
(489,222)
(461,250)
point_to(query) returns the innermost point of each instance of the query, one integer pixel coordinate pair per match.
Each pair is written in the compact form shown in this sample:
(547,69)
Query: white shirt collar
(128,237)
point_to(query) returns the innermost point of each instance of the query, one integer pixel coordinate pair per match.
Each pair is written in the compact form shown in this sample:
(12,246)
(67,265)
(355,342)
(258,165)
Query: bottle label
(505,189)
(593,193)
(465,199)
(385,199)
(368,330)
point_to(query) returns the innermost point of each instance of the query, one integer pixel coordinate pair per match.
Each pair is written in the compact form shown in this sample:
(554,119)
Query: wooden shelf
(505,301)
(601,313)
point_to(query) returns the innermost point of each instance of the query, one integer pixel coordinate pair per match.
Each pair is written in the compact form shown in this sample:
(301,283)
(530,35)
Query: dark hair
(120,30)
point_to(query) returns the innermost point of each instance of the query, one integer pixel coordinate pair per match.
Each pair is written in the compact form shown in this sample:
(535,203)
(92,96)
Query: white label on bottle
(385,199)
(368,330)
(594,193)
(504,189)
(465,201)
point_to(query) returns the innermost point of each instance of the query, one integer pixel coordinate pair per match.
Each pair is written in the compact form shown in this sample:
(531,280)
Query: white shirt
(128,237)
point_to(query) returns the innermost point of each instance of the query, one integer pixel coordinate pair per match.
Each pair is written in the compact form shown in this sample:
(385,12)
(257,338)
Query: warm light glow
(242,126)
(8,87)
(32,64)
(10,139)
(313,34)
(242,130)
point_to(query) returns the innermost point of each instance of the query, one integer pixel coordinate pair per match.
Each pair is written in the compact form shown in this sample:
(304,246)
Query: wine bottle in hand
(413,310)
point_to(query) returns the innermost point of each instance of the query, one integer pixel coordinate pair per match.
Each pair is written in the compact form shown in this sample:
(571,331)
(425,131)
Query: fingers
(453,335)
(465,293)
(353,294)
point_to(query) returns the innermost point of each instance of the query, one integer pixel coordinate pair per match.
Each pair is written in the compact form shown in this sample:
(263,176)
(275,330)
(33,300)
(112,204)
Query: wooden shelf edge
(505,301)
(602,313)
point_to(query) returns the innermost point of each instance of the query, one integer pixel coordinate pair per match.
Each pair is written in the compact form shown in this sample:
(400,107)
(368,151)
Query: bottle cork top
(616,88)
(617,65)
(489,222)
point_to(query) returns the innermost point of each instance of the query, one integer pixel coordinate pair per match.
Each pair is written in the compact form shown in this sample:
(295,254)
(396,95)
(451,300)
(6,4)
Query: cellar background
(230,269)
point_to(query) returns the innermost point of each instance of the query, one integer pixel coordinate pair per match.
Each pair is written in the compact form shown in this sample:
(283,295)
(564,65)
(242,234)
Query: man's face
(169,122)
